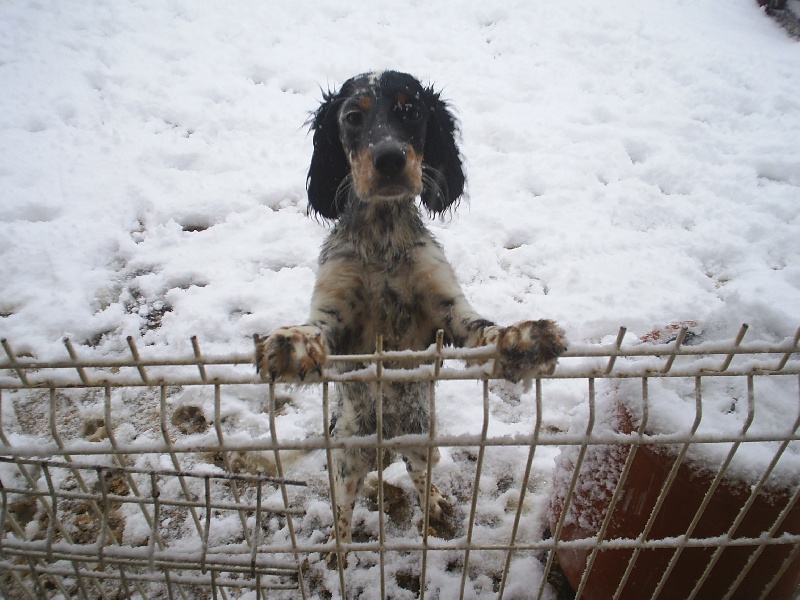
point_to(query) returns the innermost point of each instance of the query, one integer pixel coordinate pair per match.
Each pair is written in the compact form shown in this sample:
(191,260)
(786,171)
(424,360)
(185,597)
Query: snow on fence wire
(109,489)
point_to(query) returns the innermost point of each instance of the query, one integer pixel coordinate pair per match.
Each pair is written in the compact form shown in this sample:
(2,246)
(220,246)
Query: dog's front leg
(524,350)
(299,352)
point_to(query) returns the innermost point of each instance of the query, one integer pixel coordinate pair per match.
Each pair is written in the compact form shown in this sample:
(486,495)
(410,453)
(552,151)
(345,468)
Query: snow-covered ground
(629,163)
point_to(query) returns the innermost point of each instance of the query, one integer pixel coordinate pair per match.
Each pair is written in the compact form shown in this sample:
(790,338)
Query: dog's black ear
(445,179)
(329,166)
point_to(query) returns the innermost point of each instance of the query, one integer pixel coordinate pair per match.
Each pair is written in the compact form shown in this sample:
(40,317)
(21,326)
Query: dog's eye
(354,118)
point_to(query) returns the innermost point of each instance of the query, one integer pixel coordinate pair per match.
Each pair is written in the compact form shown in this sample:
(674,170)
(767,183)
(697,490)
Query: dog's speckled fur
(379,142)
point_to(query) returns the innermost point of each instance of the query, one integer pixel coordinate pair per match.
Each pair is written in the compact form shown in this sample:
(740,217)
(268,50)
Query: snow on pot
(694,505)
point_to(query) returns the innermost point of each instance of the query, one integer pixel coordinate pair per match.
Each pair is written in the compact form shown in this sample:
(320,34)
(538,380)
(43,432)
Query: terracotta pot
(649,470)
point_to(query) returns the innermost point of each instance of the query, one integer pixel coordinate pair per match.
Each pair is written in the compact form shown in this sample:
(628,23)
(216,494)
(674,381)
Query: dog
(382,141)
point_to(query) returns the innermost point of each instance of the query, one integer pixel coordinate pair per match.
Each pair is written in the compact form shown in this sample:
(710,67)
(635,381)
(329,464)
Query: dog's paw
(332,557)
(440,507)
(441,518)
(528,348)
(291,354)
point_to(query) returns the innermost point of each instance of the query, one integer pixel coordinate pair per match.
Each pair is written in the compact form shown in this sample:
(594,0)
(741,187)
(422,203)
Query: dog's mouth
(398,186)
(394,190)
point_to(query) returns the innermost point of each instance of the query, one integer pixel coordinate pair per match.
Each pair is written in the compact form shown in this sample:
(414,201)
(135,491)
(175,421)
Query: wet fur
(380,142)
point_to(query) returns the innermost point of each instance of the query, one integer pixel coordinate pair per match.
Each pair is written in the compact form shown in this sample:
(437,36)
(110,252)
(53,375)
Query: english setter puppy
(380,142)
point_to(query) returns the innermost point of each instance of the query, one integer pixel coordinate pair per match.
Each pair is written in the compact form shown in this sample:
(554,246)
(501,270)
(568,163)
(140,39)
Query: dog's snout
(389,159)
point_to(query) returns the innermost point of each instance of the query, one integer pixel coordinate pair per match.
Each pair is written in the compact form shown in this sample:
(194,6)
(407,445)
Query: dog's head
(383,136)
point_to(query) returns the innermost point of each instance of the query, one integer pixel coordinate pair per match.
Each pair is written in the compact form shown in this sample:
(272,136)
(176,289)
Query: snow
(628,163)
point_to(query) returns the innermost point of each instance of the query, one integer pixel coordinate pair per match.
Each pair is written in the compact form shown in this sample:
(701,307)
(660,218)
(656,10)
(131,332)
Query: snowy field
(630,164)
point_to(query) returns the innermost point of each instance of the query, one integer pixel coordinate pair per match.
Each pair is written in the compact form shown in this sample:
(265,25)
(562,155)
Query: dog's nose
(388,159)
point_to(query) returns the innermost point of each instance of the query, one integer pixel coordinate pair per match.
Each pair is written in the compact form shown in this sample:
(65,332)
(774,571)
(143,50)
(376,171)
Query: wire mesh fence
(677,474)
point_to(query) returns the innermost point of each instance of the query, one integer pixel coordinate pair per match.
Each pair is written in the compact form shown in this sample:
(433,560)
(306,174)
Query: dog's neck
(382,231)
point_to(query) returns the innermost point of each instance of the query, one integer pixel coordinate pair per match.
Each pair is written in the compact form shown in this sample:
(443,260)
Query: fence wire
(183,477)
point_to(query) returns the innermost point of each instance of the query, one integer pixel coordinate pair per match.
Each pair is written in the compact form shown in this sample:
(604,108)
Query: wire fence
(188,477)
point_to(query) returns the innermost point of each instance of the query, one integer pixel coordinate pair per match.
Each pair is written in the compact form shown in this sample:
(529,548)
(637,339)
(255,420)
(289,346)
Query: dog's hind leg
(416,461)
(350,467)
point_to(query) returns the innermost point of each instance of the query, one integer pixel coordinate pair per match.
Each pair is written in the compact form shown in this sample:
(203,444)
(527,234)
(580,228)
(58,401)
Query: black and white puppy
(380,142)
